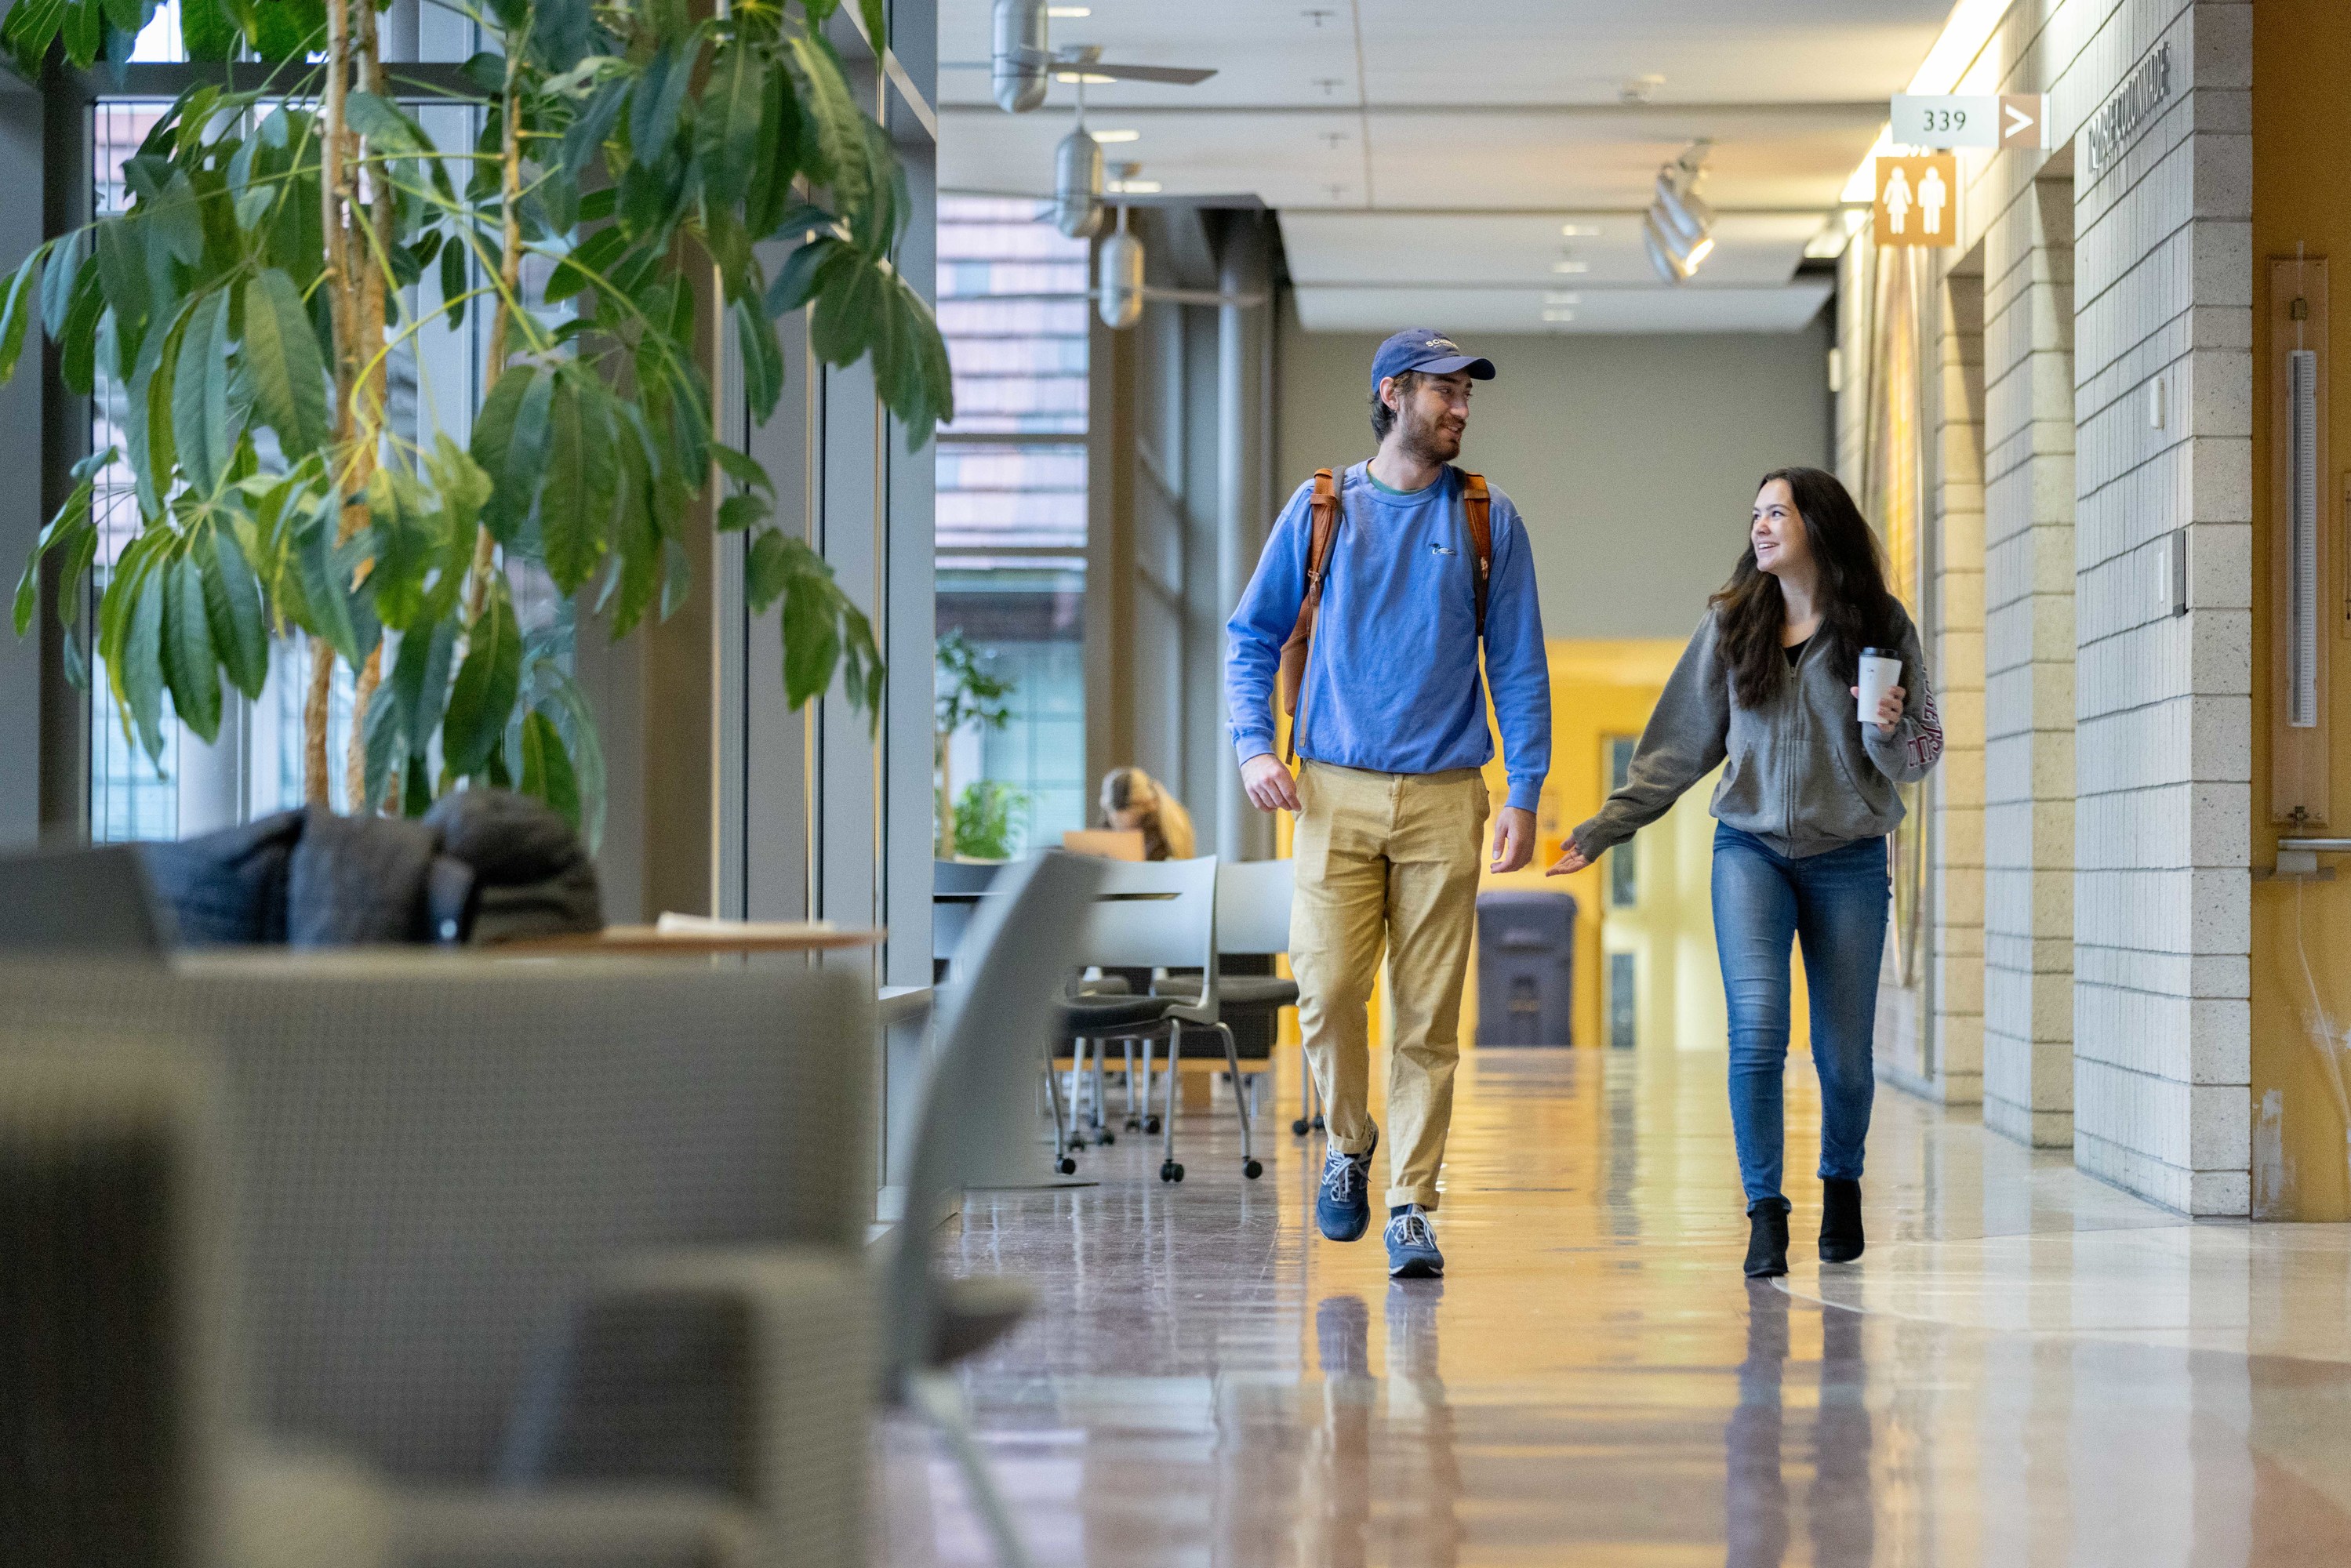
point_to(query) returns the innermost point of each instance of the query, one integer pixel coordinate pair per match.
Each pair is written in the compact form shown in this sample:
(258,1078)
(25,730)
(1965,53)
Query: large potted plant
(248,303)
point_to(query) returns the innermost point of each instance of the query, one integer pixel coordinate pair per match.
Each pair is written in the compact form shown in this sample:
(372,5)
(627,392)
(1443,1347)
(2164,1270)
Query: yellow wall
(2302,930)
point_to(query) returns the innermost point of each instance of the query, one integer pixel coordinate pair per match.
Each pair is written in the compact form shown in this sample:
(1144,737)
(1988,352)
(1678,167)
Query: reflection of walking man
(1897,200)
(1391,795)
(1933,197)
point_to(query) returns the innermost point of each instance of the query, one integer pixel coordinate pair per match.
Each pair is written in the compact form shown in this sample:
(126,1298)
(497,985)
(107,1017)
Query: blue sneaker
(1344,1208)
(1412,1247)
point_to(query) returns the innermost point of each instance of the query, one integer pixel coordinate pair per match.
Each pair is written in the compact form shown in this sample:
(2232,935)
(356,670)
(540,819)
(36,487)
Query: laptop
(1105,843)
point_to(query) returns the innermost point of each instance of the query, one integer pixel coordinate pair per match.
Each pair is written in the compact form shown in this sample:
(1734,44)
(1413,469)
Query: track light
(1678,231)
(1118,287)
(1078,186)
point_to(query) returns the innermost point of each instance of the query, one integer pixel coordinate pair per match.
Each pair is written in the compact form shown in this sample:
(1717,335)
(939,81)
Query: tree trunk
(371,374)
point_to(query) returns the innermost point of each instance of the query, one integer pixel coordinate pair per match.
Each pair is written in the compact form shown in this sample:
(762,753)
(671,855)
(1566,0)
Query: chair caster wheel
(1105,1136)
(1252,1169)
(1067,1165)
(1135,1123)
(1170,1171)
(1151,1126)
(1297,1127)
(1318,1124)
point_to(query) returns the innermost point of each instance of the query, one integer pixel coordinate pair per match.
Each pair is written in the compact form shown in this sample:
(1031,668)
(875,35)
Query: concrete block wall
(1956,645)
(2029,643)
(2163,709)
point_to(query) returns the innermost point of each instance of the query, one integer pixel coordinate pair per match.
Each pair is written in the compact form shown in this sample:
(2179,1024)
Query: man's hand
(1514,839)
(1269,786)
(1571,860)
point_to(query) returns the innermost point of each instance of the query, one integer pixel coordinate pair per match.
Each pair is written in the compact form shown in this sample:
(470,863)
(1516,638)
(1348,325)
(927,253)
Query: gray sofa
(442,1165)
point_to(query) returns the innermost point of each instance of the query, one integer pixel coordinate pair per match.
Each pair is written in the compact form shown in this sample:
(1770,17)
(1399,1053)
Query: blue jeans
(1835,904)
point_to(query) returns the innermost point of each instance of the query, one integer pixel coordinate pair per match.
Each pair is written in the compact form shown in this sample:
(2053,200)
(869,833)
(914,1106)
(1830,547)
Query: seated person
(1133,801)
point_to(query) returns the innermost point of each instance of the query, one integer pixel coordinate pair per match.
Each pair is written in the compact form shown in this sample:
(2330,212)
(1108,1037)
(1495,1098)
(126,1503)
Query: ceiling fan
(1024,60)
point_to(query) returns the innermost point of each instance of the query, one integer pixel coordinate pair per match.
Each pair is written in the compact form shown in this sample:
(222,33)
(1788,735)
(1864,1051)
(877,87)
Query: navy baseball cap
(1425,349)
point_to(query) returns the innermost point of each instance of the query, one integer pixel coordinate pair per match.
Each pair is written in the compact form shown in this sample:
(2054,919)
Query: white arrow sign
(1969,120)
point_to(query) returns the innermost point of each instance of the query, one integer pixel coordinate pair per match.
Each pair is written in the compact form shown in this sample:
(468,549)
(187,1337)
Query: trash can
(1526,969)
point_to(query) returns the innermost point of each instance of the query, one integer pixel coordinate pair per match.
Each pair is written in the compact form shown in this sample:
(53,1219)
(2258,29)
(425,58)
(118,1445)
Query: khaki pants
(1387,859)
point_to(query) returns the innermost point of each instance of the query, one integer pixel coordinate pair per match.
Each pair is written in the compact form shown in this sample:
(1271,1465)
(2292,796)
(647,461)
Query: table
(750,937)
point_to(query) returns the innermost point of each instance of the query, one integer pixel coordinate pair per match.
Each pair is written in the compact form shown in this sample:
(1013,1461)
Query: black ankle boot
(1767,1238)
(1839,1220)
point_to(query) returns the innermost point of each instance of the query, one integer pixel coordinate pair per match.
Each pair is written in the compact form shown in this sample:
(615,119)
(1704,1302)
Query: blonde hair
(1167,825)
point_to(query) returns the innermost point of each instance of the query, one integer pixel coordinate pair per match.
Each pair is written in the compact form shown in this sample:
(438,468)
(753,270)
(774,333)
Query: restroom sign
(1917,200)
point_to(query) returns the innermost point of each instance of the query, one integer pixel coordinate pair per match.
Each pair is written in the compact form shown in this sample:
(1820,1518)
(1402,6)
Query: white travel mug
(1881,672)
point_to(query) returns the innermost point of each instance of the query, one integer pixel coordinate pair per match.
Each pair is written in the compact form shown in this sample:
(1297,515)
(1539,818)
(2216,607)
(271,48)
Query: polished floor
(2028,1367)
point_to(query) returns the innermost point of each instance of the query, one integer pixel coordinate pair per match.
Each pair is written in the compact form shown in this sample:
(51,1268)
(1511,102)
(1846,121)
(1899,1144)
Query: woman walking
(1807,685)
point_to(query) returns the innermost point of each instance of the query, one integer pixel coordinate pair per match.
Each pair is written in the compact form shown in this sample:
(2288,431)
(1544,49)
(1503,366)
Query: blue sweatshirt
(1392,684)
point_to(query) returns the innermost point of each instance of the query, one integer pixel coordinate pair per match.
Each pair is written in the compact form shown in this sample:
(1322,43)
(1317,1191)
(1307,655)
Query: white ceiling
(1423,158)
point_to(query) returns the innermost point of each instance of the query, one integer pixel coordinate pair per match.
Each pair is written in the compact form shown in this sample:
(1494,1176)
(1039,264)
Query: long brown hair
(1857,610)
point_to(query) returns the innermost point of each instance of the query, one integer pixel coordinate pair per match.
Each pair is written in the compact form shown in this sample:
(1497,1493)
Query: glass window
(1012,501)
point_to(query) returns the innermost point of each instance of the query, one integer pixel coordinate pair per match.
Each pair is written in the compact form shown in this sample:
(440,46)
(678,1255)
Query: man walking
(1412,562)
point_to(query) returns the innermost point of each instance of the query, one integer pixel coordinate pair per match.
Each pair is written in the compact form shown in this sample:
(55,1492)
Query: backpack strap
(1322,508)
(1477,506)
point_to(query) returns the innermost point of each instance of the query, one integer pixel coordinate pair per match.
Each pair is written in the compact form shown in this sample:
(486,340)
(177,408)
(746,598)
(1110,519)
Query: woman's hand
(1889,708)
(1571,860)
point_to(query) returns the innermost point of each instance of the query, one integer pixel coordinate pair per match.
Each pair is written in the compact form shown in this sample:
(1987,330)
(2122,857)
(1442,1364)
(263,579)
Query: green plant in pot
(249,303)
(966,693)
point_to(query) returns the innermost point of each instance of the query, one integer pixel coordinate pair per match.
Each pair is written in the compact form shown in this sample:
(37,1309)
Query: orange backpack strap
(1478,505)
(1323,506)
(1290,675)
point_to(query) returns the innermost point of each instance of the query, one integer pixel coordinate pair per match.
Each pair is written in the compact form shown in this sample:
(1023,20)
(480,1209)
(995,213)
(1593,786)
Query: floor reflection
(2028,1368)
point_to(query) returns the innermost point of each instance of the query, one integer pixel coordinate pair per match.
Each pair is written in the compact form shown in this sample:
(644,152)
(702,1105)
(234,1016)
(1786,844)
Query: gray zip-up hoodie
(1804,774)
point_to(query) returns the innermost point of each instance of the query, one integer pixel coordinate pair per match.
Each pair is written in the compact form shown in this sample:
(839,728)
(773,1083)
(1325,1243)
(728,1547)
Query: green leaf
(147,422)
(190,667)
(323,570)
(408,545)
(176,220)
(130,16)
(741,468)
(206,30)
(811,634)
(510,445)
(69,272)
(31,27)
(546,770)
(839,123)
(136,669)
(485,690)
(763,356)
(122,276)
(454,256)
(388,130)
(592,259)
(61,536)
(233,609)
(281,359)
(419,681)
(659,96)
(417,792)
(386,746)
(592,126)
(877,24)
(803,273)
(736,513)
(281,29)
(777,154)
(560,31)
(19,305)
(575,507)
(465,488)
(767,569)
(85,32)
(79,337)
(200,414)
(727,122)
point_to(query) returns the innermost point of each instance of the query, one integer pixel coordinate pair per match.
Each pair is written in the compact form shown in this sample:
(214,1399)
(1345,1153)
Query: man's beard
(1431,440)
